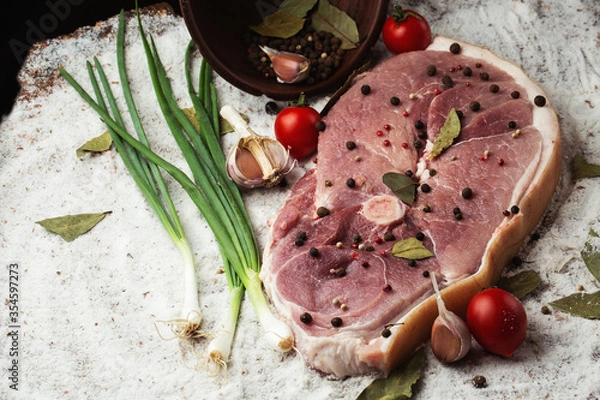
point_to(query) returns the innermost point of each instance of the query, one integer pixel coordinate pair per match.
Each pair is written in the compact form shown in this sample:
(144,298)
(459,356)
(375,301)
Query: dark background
(23,22)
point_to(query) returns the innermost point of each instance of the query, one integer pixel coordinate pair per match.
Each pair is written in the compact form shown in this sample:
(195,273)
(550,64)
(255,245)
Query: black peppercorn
(350,145)
(418,144)
(447,82)
(394,101)
(432,172)
(422,134)
(425,188)
(515,94)
(466,193)
(467,71)
(484,76)
(479,381)
(475,106)
(426,274)
(408,173)
(456,211)
(271,108)
(301,235)
(336,322)
(365,89)
(305,318)
(431,70)
(412,263)
(313,252)
(370,248)
(458,216)
(299,242)
(320,126)
(514,210)
(350,183)
(389,236)
(420,236)
(322,212)
(539,101)
(494,88)
(455,48)
(419,124)
(512,124)
(386,333)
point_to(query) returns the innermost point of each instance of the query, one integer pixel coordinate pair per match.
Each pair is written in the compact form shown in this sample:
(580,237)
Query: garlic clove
(450,336)
(289,67)
(256,161)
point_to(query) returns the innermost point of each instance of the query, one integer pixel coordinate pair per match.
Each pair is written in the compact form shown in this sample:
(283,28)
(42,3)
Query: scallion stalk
(214,194)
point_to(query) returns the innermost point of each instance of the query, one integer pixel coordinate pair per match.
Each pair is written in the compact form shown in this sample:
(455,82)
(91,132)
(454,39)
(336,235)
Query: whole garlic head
(256,161)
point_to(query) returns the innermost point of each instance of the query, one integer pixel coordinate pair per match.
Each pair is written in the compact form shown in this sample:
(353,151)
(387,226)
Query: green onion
(217,198)
(149,180)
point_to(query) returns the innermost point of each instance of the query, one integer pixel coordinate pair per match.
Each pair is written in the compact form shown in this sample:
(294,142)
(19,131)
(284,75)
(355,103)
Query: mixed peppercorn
(323,50)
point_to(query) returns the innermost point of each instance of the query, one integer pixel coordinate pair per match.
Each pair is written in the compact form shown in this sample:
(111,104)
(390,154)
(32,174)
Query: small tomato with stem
(497,320)
(297,128)
(405,31)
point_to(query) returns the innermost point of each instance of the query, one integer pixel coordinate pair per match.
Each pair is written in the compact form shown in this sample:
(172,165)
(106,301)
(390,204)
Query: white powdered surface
(88,308)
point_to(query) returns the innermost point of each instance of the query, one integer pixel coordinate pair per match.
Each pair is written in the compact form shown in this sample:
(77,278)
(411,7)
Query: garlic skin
(256,161)
(450,336)
(289,67)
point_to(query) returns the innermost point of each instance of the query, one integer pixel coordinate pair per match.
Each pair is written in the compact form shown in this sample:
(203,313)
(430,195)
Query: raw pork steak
(329,267)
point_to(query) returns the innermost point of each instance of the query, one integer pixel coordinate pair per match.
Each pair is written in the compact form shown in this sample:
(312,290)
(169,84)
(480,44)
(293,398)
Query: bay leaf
(398,385)
(297,8)
(448,132)
(411,249)
(585,305)
(280,24)
(329,18)
(403,186)
(583,169)
(70,227)
(520,284)
(96,145)
(591,255)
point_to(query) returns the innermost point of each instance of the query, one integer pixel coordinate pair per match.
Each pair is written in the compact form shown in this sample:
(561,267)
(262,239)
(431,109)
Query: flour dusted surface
(89,308)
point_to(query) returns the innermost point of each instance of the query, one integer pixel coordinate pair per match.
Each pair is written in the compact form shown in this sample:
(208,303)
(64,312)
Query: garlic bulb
(256,161)
(450,336)
(289,67)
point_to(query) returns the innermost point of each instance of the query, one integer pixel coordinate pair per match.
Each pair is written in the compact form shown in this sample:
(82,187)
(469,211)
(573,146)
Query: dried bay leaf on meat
(96,145)
(583,169)
(411,249)
(398,385)
(448,132)
(520,284)
(591,254)
(585,305)
(329,18)
(403,186)
(70,227)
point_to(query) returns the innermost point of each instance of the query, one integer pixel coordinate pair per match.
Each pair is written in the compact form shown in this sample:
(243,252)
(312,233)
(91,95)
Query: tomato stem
(398,14)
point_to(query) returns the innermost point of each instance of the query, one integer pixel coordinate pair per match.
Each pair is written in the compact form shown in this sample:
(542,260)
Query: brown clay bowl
(217,28)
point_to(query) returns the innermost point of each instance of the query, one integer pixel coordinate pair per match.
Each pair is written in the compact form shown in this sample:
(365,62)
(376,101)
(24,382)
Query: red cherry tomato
(296,128)
(405,31)
(497,320)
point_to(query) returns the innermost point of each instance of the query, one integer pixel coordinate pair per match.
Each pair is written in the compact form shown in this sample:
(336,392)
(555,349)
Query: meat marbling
(343,273)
